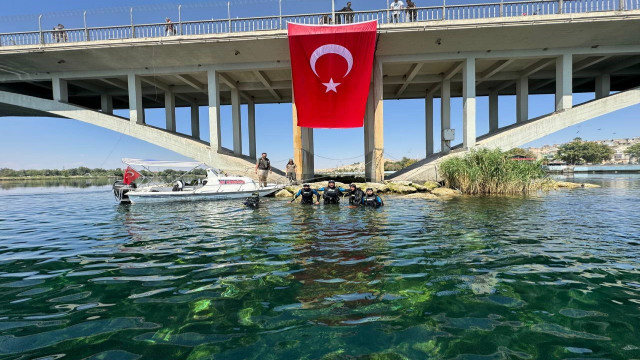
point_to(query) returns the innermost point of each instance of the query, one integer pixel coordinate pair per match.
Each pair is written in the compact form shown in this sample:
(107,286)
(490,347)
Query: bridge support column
(374,127)
(170,110)
(252,129)
(106,104)
(469,103)
(136,110)
(60,89)
(522,99)
(302,148)
(564,86)
(493,111)
(445,113)
(428,108)
(195,121)
(236,121)
(603,86)
(214,110)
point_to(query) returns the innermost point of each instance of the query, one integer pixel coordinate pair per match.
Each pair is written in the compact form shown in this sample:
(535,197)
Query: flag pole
(333,11)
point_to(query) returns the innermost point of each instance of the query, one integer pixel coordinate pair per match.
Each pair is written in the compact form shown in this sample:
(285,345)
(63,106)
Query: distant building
(548,152)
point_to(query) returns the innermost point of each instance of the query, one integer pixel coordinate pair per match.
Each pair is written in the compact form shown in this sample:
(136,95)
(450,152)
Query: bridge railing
(384,17)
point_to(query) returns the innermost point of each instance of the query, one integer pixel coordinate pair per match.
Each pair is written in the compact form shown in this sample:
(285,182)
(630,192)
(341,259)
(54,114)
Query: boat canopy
(162,163)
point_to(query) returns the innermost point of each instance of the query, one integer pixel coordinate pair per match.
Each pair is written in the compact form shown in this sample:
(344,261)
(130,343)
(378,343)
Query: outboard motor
(120,190)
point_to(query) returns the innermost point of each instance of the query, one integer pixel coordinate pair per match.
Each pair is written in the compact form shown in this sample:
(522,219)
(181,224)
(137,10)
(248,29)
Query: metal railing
(526,8)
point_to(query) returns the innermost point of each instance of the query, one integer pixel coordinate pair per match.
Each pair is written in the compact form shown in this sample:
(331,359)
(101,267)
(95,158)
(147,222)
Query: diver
(331,194)
(253,201)
(355,195)
(372,200)
(307,195)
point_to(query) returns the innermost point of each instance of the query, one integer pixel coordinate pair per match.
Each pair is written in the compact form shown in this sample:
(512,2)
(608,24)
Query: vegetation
(578,151)
(521,152)
(633,151)
(86,172)
(492,172)
(398,165)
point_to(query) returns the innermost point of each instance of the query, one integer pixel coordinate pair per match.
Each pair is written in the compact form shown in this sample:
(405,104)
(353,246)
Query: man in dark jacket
(346,16)
(263,167)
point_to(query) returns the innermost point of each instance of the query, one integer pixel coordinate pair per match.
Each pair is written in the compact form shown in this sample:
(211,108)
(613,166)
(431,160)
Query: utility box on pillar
(448,135)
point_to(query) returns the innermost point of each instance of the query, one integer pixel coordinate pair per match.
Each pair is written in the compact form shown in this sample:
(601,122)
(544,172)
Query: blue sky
(36,143)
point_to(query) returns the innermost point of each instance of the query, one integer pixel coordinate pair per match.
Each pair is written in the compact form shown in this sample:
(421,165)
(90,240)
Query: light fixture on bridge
(61,61)
(438,41)
(237,52)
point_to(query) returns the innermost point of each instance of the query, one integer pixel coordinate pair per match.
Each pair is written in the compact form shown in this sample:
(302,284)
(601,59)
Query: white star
(331,86)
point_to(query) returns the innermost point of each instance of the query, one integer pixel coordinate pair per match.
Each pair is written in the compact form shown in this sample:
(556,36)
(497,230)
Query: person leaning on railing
(347,16)
(412,13)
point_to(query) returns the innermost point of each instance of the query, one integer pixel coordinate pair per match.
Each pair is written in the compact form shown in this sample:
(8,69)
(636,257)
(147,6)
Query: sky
(39,143)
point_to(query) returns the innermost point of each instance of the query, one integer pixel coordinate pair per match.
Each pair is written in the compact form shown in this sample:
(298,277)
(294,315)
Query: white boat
(217,185)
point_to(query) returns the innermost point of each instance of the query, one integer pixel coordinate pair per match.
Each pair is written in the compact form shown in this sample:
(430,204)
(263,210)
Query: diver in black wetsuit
(355,195)
(307,194)
(253,201)
(372,200)
(332,194)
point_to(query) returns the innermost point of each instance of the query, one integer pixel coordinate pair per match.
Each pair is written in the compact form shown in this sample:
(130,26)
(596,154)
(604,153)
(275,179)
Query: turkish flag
(331,69)
(129,175)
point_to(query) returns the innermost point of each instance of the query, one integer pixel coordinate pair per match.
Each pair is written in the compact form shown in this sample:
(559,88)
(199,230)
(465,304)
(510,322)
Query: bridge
(497,49)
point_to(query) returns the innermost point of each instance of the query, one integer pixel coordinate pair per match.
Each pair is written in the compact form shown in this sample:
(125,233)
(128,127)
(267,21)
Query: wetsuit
(372,201)
(332,195)
(307,195)
(355,196)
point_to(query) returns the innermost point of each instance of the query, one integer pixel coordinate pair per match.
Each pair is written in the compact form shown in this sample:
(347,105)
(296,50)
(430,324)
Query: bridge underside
(548,54)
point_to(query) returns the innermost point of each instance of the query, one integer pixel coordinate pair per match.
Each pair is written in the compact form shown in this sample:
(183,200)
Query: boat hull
(160,197)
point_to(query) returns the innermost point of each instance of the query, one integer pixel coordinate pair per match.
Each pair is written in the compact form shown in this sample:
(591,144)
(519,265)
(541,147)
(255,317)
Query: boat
(217,185)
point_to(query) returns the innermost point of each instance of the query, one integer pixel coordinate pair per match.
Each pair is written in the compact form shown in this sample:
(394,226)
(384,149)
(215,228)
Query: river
(548,276)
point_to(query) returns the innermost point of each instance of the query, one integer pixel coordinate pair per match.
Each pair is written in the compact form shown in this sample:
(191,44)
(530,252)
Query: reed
(487,171)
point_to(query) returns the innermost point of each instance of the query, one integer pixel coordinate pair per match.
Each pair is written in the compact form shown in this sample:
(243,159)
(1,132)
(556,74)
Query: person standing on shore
(263,167)
(291,171)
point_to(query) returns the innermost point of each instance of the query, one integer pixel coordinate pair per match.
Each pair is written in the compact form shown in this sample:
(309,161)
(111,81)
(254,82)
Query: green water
(550,276)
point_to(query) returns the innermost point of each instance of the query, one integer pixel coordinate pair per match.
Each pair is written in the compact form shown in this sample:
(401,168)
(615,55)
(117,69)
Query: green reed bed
(493,172)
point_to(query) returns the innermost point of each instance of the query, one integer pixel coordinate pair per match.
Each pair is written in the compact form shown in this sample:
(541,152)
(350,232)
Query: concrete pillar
(302,148)
(170,110)
(195,121)
(428,108)
(445,113)
(369,116)
(522,99)
(469,103)
(136,110)
(236,121)
(213,86)
(374,128)
(60,89)
(493,111)
(564,85)
(252,129)
(603,86)
(106,104)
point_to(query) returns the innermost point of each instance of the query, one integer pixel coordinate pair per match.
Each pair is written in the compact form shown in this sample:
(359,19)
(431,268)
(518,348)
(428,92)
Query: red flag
(331,69)
(129,175)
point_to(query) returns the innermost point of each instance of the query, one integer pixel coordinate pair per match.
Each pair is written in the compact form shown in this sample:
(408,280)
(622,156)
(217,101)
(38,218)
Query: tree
(633,151)
(579,151)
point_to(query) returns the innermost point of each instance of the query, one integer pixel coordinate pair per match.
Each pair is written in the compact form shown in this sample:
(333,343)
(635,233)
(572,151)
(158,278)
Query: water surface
(550,276)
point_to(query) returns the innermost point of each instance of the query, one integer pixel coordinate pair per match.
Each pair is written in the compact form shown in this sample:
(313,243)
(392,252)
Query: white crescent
(331,49)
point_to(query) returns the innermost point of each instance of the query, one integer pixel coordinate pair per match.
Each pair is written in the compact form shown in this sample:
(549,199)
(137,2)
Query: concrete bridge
(496,49)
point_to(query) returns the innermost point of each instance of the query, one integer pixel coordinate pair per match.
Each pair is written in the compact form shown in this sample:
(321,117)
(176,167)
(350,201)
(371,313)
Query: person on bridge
(307,194)
(347,17)
(355,195)
(372,200)
(263,167)
(168,28)
(412,13)
(396,6)
(59,34)
(332,194)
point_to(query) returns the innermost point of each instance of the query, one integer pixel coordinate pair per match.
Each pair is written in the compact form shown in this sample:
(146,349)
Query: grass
(493,172)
